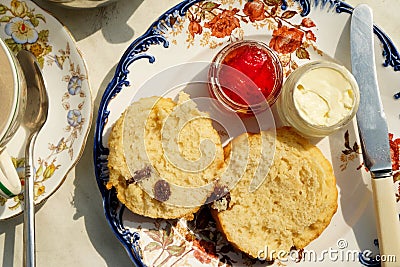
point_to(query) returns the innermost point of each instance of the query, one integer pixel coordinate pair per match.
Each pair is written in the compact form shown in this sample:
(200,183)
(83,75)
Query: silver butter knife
(373,131)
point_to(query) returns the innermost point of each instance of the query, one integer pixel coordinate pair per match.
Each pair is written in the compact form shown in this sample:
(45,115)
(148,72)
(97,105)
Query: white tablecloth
(71,229)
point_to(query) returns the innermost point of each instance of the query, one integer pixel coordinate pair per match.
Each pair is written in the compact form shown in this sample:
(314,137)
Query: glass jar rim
(298,121)
(216,87)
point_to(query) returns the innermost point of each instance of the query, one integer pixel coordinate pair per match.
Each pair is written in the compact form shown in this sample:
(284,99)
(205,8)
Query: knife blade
(373,132)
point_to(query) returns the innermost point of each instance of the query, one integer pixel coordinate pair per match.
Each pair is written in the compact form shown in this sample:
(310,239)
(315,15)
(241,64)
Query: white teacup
(12,107)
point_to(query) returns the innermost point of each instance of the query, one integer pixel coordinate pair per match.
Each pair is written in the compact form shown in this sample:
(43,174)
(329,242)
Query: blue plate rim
(113,209)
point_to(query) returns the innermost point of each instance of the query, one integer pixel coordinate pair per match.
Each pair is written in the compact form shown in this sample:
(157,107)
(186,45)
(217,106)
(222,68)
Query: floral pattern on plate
(185,34)
(211,23)
(23,25)
(193,243)
(352,152)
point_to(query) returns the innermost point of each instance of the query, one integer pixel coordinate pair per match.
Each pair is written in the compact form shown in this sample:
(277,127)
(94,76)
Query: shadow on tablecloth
(111,19)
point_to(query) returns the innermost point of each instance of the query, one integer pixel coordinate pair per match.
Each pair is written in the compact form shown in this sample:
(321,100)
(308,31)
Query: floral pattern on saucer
(22,28)
(74,120)
(23,25)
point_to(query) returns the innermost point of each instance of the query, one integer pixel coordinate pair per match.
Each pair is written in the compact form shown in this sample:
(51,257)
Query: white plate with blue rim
(60,143)
(300,32)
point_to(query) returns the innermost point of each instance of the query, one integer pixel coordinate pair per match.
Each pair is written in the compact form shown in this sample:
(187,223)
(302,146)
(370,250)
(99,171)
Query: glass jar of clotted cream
(318,98)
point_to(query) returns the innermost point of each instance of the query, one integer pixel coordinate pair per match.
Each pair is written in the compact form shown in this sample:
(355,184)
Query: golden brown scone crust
(293,205)
(146,117)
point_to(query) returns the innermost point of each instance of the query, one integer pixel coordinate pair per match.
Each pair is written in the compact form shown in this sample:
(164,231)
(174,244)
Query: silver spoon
(35,116)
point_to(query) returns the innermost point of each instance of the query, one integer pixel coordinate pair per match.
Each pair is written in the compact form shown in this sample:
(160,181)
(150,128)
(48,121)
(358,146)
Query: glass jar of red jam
(246,77)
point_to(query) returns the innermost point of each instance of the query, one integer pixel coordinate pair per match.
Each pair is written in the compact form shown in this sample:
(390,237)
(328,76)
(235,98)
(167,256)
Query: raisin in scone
(293,204)
(164,157)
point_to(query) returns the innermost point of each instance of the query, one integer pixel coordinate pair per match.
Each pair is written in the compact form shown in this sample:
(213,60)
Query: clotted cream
(323,96)
(318,98)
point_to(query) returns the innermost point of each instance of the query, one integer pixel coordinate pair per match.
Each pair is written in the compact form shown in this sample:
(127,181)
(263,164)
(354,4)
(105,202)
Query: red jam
(246,77)
(258,79)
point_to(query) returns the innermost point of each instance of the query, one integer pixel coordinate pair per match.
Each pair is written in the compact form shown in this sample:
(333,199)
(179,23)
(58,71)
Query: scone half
(294,203)
(149,176)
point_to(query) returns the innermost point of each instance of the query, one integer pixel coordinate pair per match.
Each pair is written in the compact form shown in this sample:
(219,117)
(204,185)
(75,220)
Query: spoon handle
(29,213)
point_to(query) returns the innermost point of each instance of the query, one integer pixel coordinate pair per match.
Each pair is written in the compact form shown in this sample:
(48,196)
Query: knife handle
(387,219)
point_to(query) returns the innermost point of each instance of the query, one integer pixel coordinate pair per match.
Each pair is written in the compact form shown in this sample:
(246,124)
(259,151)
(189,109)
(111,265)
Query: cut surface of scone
(294,203)
(164,157)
